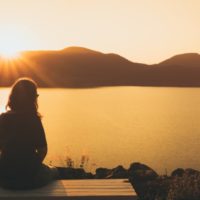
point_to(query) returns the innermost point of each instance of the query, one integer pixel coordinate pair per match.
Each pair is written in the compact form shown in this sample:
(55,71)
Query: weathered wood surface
(104,189)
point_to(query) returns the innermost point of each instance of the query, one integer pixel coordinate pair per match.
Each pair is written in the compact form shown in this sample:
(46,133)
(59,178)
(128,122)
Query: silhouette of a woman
(23,144)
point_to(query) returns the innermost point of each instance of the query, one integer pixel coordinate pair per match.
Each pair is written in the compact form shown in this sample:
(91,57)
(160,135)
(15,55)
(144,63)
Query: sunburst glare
(12,41)
(9,53)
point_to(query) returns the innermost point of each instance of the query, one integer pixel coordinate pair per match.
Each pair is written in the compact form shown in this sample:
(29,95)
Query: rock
(191,172)
(79,173)
(178,172)
(89,175)
(72,173)
(102,173)
(141,172)
(141,177)
(118,172)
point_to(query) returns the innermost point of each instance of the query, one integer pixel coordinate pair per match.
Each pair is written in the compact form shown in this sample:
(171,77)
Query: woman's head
(23,96)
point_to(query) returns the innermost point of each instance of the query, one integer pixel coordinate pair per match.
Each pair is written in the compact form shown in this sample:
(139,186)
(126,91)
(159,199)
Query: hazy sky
(141,30)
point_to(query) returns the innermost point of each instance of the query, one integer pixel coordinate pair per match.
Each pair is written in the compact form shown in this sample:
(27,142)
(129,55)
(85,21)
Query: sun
(10,46)
(12,42)
(9,50)
(9,53)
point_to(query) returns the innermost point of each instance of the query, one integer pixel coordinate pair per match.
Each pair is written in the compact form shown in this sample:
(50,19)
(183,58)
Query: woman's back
(21,134)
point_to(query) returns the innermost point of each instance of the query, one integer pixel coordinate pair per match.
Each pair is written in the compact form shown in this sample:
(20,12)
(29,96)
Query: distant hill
(78,67)
(188,59)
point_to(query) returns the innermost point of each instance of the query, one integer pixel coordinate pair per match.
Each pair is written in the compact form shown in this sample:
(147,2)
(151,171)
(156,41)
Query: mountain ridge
(182,59)
(79,67)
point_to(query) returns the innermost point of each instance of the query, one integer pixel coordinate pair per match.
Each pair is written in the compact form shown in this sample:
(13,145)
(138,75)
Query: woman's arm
(41,152)
(41,143)
(1,131)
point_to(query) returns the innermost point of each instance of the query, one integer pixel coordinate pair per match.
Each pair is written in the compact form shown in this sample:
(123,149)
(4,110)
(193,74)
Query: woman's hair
(23,96)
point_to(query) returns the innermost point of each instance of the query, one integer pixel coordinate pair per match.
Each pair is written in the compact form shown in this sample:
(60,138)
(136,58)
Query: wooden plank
(124,192)
(76,190)
(72,198)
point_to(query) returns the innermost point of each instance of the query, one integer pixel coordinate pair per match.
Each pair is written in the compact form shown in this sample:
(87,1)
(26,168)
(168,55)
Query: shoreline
(181,184)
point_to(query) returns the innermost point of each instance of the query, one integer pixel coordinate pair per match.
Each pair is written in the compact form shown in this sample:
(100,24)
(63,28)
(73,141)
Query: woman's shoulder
(6,115)
(13,114)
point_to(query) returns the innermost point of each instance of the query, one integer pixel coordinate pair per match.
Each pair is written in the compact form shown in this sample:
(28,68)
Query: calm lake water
(120,125)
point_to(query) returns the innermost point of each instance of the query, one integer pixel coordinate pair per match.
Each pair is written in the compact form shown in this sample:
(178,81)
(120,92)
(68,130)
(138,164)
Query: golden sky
(147,31)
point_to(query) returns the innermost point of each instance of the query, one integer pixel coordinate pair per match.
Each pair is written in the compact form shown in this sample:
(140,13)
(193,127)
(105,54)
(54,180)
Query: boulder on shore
(118,172)
(102,173)
(74,173)
(142,177)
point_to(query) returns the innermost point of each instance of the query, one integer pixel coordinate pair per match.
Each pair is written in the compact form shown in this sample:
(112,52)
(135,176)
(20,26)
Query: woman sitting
(23,144)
